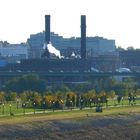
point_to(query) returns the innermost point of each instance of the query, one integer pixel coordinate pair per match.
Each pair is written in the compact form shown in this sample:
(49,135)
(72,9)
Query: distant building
(129,58)
(95,45)
(105,63)
(100,46)
(13,52)
(36,43)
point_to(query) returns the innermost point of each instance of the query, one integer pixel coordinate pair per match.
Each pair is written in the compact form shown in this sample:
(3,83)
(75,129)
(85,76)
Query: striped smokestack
(83,36)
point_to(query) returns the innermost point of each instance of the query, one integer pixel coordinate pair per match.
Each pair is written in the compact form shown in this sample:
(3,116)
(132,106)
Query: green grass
(5,110)
(68,115)
(20,110)
(124,102)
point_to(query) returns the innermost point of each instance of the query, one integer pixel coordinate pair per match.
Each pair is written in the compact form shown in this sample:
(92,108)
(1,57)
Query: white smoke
(73,54)
(53,50)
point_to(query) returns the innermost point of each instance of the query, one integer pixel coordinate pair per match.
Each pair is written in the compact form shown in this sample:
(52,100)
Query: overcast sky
(112,19)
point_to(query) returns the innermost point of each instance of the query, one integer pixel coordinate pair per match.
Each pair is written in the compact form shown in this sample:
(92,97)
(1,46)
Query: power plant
(83,35)
(49,64)
(56,69)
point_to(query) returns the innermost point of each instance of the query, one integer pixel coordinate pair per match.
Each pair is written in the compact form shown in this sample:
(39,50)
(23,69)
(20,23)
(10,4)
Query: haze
(112,19)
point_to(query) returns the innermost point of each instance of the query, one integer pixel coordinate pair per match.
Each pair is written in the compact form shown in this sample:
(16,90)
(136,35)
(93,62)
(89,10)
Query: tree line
(33,92)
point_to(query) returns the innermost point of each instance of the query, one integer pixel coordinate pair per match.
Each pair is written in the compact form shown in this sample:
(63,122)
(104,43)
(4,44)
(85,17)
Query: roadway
(70,74)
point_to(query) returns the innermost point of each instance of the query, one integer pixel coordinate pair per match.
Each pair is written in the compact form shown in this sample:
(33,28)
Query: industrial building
(82,56)
(129,58)
(96,52)
(94,45)
(47,64)
(13,52)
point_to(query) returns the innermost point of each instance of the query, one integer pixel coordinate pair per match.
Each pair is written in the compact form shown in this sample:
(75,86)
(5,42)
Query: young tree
(112,95)
(13,96)
(89,97)
(37,99)
(70,99)
(23,97)
(2,96)
(50,100)
(103,97)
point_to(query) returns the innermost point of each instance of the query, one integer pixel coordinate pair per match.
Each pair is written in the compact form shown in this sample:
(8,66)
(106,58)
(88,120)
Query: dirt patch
(120,127)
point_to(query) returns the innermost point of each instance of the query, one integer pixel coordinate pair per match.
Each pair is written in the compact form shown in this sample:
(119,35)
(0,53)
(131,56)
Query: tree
(23,97)
(111,94)
(13,96)
(60,98)
(48,92)
(37,99)
(130,48)
(125,87)
(2,96)
(27,82)
(89,97)
(103,97)
(50,100)
(70,99)
(81,88)
(137,92)
(56,88)
(119,48)
(129,86)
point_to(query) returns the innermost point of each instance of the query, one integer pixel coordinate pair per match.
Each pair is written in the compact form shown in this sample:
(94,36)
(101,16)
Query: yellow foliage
(71,94)
(2,96)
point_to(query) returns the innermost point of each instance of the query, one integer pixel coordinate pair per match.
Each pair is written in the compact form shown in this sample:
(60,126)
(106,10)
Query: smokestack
(47,29)
(83,36)
(46,53)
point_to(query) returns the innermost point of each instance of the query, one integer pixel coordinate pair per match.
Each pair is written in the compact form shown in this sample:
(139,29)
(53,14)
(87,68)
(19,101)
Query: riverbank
(118,124)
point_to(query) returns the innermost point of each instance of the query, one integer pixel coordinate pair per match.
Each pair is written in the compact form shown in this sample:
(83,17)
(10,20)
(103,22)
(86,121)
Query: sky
(111,19)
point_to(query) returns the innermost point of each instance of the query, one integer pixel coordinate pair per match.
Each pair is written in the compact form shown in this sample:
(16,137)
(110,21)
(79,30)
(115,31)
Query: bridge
(68,74)
(65,77)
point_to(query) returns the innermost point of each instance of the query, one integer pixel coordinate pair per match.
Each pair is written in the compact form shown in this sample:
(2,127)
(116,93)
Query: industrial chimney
(46,53)
(47,29)
(83,36)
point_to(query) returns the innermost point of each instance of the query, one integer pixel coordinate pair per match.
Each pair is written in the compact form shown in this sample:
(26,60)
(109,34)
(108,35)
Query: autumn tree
(103,97)
(37,99)
(70,99)
(13,96)
(2,96)
(89,97)
(112,95)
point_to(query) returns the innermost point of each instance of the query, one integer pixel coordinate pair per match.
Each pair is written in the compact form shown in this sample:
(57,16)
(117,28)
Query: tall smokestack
(46,53)
(83,36)
(47,29)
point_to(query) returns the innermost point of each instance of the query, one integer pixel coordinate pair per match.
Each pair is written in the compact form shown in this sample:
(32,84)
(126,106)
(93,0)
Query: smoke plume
(52,50)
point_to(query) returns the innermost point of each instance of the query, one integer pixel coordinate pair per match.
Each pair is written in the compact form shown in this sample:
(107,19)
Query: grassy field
(119,123)
(17,109)
(68,115)
(5,109)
